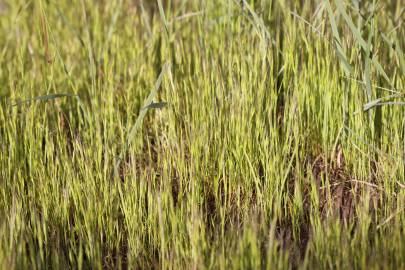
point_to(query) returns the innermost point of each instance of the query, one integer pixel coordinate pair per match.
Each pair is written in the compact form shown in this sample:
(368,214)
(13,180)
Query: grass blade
(339,50)
(367,72)
(155,105)
(148,105)
(44,98)
(380,101)
(163,16)
(351,25)
(363,44)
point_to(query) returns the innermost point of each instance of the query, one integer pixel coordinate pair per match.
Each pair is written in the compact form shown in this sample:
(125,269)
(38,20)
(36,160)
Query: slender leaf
(350,23)
(45,98)
(339,50)
(163,16)
(155,105)
(148,105)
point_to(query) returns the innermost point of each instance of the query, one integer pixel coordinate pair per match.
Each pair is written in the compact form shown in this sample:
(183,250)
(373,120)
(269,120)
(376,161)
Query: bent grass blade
(44,98)
(149,104)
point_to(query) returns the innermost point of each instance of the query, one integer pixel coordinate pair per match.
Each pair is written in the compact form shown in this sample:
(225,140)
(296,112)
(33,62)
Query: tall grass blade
(148,105)
(163,16)
(44,98)
(339,50)
(350,23)
(360,39)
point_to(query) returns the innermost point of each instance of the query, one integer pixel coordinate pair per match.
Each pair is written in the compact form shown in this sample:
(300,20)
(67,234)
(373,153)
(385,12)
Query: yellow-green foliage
(280,146)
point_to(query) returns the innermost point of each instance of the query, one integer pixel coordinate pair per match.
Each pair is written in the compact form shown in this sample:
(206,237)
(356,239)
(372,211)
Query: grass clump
(281,145)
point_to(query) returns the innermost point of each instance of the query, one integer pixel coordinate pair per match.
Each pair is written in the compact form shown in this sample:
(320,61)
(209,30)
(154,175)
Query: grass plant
(187,134)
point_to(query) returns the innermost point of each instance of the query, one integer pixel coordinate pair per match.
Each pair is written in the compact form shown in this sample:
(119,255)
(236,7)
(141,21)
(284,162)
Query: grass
(281,145)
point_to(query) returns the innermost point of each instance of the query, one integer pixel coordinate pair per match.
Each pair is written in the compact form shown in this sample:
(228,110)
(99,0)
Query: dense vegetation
(188,134)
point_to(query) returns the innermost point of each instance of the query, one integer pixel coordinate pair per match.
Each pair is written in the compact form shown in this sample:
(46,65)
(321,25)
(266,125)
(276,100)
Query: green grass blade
(148,105)
(360,39)
(332,20)
(350,23)
(45,98)
(163,16)
(367,72)
(155,105)
(338,47)
(371,104)
(395,46)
